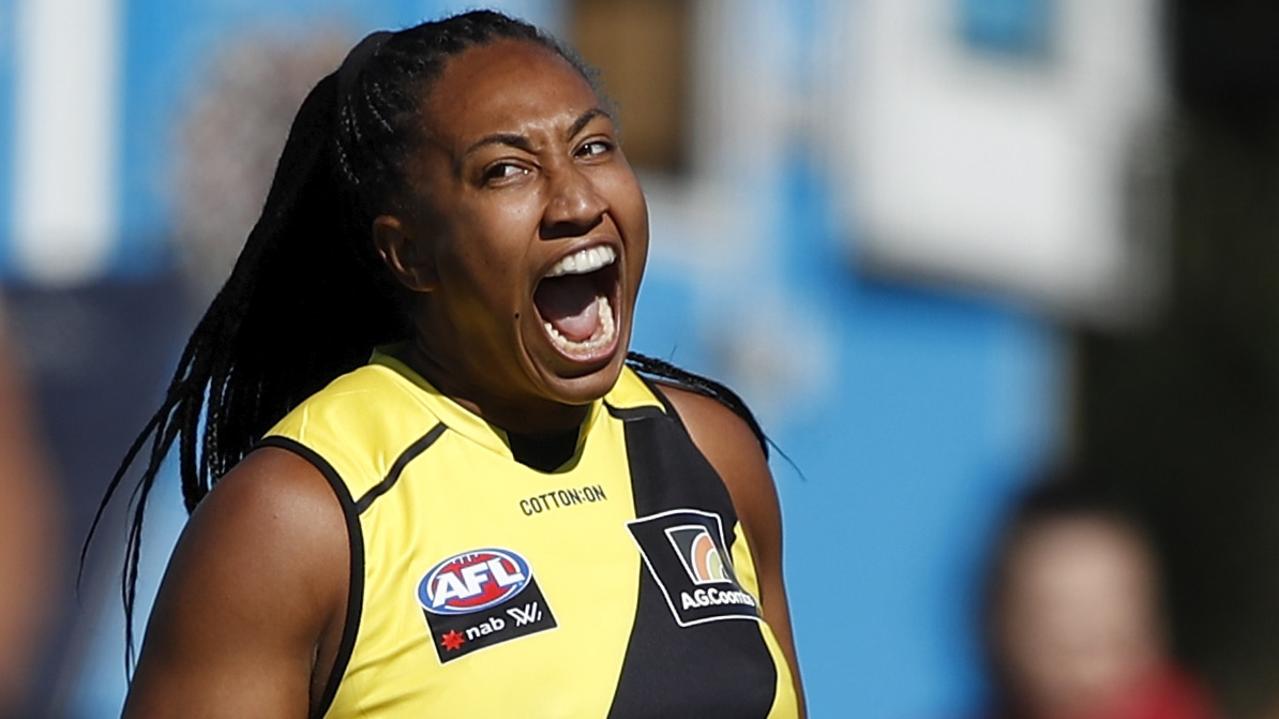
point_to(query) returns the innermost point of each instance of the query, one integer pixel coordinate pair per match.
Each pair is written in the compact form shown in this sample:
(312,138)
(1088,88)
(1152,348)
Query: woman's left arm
(735,453)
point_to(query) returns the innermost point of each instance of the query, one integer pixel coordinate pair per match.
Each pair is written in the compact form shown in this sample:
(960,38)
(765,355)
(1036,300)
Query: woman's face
(529,227)
(1078,630)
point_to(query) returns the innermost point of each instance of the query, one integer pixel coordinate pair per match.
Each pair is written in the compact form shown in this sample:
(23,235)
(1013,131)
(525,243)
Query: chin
(587,384)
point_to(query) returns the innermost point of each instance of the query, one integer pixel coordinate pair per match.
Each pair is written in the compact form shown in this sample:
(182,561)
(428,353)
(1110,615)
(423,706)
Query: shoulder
(279,511)
(271,484)
(262,547)
(252,597)
(731,446)
(723,435)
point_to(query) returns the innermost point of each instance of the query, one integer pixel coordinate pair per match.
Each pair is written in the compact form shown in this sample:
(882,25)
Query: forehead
(1079,546)
(504,86)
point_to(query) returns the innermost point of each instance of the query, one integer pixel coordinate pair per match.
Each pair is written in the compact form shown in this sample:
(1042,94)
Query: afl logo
(473,581)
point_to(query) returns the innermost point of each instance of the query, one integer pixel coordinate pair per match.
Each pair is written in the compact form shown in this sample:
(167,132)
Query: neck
(527,416)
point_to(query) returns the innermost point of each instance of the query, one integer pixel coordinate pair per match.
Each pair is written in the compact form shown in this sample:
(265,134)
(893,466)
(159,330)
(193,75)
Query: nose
(574,205)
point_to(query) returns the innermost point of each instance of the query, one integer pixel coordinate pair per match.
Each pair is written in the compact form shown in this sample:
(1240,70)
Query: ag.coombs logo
(698,554)
(473,581)
(479,598)
(686,556)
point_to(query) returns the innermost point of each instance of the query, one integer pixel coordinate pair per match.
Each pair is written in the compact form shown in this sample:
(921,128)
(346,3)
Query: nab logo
(698,554)
(473,581)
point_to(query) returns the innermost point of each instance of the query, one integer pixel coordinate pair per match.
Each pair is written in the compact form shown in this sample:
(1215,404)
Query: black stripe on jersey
(627,414)
(705,670)
(661,397)
(397,467)
(648,411)
(355,583)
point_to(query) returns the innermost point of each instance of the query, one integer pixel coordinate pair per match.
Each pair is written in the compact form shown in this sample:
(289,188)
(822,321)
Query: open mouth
(575,301)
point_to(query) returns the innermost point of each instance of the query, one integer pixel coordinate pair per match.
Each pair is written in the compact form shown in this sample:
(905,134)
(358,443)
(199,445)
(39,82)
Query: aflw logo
(698,554)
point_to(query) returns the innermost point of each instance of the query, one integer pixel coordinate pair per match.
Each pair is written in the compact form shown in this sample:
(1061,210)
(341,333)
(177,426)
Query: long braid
(218,366)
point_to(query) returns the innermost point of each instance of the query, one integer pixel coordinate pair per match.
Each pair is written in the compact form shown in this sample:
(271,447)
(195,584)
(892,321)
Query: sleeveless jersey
(619,585)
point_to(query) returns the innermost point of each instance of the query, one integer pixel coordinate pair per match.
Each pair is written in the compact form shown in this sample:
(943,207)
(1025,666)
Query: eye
(500,172)
(594,148)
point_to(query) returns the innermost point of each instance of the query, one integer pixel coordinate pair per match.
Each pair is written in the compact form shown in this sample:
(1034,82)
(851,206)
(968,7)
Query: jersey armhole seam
(355,585)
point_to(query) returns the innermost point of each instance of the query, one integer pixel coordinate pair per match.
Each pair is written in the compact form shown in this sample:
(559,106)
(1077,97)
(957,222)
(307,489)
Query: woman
(495,515)
(1074,627)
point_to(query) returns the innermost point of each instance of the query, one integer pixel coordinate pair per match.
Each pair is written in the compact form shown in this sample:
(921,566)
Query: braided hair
(308,277)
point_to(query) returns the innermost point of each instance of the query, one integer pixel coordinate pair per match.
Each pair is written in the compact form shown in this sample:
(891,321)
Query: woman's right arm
(253,600)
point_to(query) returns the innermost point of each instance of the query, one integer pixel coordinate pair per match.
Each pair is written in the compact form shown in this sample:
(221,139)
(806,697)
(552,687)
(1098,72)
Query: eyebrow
(522,142)
(585,118)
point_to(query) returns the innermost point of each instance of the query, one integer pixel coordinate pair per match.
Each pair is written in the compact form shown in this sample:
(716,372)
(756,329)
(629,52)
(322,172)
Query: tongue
(568,303)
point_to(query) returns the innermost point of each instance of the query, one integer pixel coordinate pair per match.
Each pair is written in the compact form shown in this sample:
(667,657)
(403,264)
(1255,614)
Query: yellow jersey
(617,585)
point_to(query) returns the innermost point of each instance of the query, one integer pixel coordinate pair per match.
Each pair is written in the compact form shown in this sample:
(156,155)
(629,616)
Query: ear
(407,256)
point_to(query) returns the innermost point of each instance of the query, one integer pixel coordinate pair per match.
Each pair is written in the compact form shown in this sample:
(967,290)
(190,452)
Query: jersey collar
(454,416)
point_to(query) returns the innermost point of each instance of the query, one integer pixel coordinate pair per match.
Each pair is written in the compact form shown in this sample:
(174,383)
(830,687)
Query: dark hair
(1061,496)
(308,298)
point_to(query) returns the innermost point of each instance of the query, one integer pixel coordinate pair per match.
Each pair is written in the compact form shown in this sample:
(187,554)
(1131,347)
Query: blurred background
(940,246)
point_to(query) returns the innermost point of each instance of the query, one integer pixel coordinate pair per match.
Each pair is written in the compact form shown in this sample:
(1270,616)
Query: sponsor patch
(686,555)
(480,598)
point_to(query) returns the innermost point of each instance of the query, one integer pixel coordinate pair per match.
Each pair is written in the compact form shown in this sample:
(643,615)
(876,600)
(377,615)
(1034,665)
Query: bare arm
(251,607)
(734,452)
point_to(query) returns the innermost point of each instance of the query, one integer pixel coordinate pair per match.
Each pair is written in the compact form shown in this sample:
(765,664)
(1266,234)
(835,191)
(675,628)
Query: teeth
(602,337)
(584,261)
